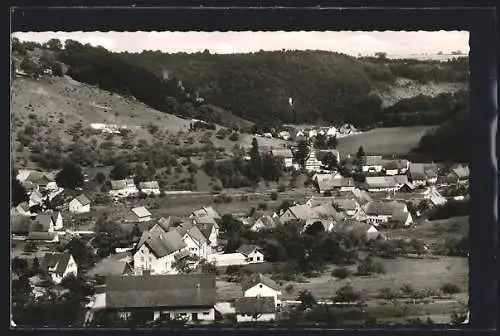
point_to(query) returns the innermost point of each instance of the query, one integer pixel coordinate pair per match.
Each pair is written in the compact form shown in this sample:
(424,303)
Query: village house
(149,188)
(255,309)
(147,298)
(380,183)
(252,253)
(42,237)
(211,232)
(312,164)
(123,188)
(155,251)
(297,212)
(433,195)
(50,221)
(195,241)
(348,206)
(395,167)
(284,153)
(462,173)
(264,222)
(380,212)
(285,135)
(113,265)
(372,164)
(421,174)
(312,133)
(36,198)
(79,204)
(335,182)
(59,266)
(408,187)
(360,230)
(258,285)
(139,214)
(447,180)
(331,132)
(205,212)
(23,208)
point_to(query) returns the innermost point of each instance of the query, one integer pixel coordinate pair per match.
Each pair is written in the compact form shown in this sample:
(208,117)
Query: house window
(183,314)
(250,259)
(258,258)
(260,286)
(206,313)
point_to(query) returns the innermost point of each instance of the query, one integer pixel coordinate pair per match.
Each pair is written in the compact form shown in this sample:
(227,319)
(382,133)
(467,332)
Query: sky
(348,42)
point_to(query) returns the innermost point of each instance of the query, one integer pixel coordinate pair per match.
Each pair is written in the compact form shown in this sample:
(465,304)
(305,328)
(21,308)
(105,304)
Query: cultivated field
(383,141)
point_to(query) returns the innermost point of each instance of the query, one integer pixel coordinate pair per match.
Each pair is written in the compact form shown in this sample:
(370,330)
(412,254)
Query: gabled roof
(180,290)
(246,249)
(122,184)
(302,211)
(380,181)
(333,182)
(162,244)
(346,204)
(361,196)
(196,234)
(54,215)
(282,152)
(383,208)
(58,260)
(45,220)
(206,230)
(255,305)
(372,160)
(35,235)
(206,211)
(149,185)
(141,212)
(108,267)
(256,279)
(400,216)
(327,211)
(359,229)
(462,172)
(165,223)
(82,199)
(20,223)
(267,221)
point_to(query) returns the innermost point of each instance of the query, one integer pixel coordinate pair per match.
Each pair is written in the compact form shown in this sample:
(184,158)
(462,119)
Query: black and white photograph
(239,178)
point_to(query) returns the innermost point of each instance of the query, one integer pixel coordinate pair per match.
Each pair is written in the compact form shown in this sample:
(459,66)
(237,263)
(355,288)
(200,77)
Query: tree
(341,272)
(30,68)
(381,55)
(449,288)
(120,171)
(19,194)
(346,294)
(360,154)
(100,178)
(407,289)
(141,174)
(255,162)
(271,168)
(302,152)
(330,161)
(54,44)
(315,229)
(387,293)
(307,300)
(70,176)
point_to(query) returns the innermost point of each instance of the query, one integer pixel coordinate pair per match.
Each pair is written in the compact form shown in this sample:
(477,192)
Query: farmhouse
(298,212)
(383,212)
(284,153)
(264,222)
(334,182)
(252,253)
(190,297)
(79,204)
(349,206)
(205,212)
(59,266)
(123,188)
(255,309)
(150,187)
(110,266)
(380,183)
(360,230)
(372,164)
(140,214)
(155,252)
(195,241)
(258,285)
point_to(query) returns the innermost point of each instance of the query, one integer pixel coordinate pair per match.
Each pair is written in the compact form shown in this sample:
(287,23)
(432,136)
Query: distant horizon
(394,44)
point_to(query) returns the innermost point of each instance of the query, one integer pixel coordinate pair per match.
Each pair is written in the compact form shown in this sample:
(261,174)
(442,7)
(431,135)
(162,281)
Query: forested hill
(323,86)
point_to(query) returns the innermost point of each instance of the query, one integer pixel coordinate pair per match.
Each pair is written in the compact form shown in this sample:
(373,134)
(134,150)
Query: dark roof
(83,200)
(162,244)
(383,208)
(58,260)
(34,235)
(45,220)
(255,305)
(346,204)
(400,216)
(206,229)
(195,233)
(181,290)
(256,279)
(246,249)
(108,267)
(372,160)
(20,223)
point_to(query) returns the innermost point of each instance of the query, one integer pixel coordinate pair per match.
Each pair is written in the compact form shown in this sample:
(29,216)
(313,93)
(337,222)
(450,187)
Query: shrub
(234,137)
(449,288)
(262,206)
(341,273)
(328,193)
(281,188)
(368,267)
(274,196)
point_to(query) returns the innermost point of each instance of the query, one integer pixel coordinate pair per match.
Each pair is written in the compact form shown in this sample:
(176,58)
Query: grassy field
(383,141)
(420,273)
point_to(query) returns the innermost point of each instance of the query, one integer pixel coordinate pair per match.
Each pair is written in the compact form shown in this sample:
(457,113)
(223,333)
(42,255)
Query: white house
(59,266)
(205,212)
(252,253)
(211,232)
(255,309)
(372,164)
(332,131)
(285,135)
(312,133)
(383,212)
(261,286)
(312,164)
(264,222)
(79,204)
(380,183)
(195,241)
(156,252)
(123,188)
(140,214)
(150,187)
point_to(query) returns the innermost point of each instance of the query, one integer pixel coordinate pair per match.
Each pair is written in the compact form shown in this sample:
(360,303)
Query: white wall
(287,216)
(262,290)
(76,207)
(377,220)
(261,317)
(202,313)
(255,257)
(151,191)
(145,259)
